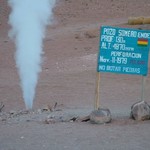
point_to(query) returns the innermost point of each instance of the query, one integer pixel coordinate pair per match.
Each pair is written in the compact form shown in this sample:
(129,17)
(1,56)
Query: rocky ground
(68,79)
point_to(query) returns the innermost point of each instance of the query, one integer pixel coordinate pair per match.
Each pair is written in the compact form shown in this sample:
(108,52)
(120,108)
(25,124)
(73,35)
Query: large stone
(140,111)
(100,116)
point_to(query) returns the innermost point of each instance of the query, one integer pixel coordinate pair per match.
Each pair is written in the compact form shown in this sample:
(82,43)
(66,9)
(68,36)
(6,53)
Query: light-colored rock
(100,116)
(140,111)
(84,119)
(93,33)
(47,108)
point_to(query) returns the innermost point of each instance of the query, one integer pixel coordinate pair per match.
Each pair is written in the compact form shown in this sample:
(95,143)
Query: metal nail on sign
(123,51)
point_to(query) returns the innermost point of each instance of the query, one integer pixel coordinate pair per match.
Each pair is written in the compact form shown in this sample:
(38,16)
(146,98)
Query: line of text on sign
(143,35)
(107,38)
(122,47)
(119,69)
(126,54)
(109,31)
(125,33)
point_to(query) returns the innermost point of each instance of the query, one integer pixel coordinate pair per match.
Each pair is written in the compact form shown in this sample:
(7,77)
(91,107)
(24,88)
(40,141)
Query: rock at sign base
(100,116)
(140,111)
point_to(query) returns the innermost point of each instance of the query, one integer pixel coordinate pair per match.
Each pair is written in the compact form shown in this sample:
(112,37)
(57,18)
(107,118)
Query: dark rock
(50,121)
(1,106)
(100,116)
(140,111)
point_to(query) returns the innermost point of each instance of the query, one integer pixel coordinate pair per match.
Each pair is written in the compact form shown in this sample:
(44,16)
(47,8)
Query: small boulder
(140,111)
(100,116)
(93,33)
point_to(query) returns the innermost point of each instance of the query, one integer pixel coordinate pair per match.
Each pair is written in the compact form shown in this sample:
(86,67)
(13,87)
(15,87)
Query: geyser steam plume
(28,20)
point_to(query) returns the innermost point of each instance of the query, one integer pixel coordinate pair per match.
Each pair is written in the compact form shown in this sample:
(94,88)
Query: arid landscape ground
(68,78)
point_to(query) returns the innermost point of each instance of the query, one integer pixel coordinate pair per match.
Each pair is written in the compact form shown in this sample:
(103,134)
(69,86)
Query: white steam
(28,20)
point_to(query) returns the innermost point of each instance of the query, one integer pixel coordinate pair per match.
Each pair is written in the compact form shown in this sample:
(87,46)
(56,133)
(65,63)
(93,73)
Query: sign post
(143,88)
(123,51)
(97,95)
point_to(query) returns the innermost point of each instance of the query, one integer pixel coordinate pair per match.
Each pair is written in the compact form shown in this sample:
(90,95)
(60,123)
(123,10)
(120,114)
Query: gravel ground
(68,78)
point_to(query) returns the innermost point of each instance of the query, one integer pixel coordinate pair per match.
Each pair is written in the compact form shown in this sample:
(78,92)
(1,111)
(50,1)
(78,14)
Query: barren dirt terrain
(68,78)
